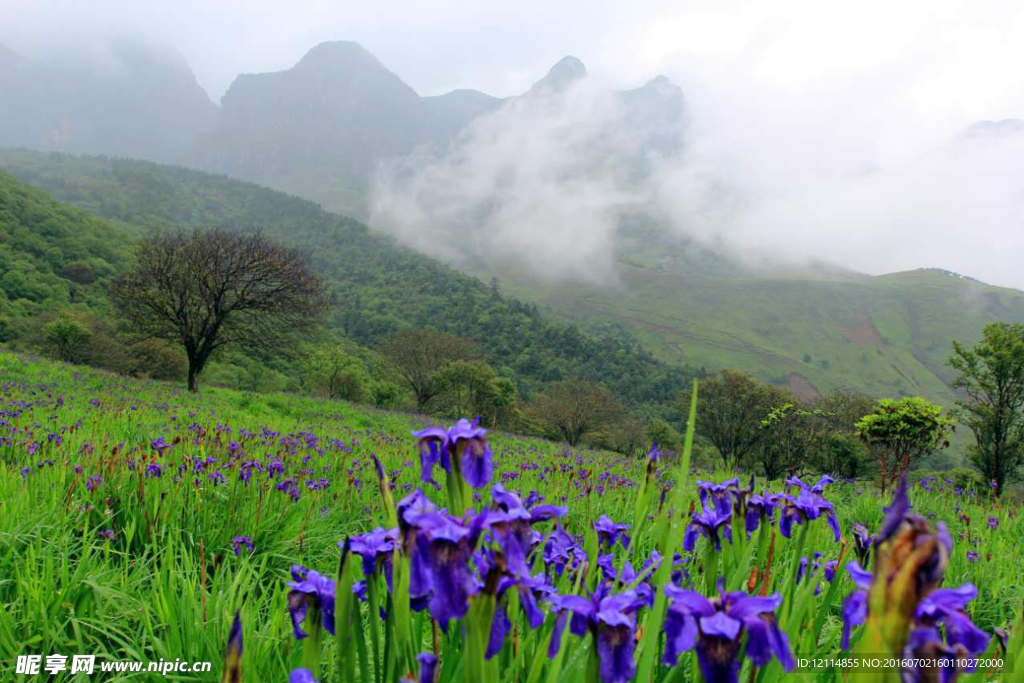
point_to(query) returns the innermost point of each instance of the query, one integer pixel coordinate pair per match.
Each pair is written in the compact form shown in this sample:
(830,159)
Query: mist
(539,183)
(877,164)
(812,131)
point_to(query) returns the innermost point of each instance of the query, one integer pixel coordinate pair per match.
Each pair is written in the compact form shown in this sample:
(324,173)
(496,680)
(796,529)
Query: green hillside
(887,336)
(51,255)
(375,286)
(816,329)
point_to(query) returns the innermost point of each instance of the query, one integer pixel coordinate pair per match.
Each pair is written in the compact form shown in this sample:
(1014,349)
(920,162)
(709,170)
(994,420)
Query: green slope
(888,335)
(51,255)
(375,286)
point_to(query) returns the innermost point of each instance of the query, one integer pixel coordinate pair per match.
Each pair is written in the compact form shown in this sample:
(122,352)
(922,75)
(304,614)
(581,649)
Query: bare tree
(419,354)
(574,408)
(213,288)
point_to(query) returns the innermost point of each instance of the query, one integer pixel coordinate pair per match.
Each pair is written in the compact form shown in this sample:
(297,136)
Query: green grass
(166,586)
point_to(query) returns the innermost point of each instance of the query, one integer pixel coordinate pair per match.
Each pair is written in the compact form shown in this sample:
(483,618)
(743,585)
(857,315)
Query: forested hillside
(51,255)
(375,286)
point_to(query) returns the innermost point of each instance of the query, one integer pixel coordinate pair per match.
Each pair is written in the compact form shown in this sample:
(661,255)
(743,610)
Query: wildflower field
(286,538)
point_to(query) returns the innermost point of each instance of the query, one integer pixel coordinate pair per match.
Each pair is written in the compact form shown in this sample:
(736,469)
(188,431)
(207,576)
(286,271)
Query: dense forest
(375,286)
(51,256)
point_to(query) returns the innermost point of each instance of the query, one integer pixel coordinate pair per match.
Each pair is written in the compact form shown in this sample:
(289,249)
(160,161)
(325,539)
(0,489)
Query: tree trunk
(193,374)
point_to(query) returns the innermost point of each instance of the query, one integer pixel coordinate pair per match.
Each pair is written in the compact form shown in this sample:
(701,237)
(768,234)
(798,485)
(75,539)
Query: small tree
(67,339)
(337,373)
(899,433)
(206,290)
(839,451)
(473,387)
(790,436)
(660,432)
(418,354)
(629,436)
(992,378)
(573,408)
(730,411)
(842,410)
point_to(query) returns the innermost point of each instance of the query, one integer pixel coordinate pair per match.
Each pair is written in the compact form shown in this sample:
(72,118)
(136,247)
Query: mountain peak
(660,81)
(998,129)
(564,73)
(335,54)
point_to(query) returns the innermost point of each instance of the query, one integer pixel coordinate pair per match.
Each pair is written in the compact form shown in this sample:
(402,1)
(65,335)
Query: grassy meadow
(135,519)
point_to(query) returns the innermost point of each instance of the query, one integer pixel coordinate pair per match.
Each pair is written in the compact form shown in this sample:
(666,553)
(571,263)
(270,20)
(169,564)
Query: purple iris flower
(612,620)
(627,576)
(862,541)
(159,445)
(802,569)
(428,665)
(712,523)
(804,507)
(411,508)
(993,522)
(235,635)
(561,551)
(310,589)
(245,471)
(973,556)
(108,534)
(511,527)
(855,606)
(239,542)
(946,606)
(302,676)
(896,514)
(443,550)
(708,490)
(830,570)
(933,605)
(760,508)
(818,487)
(93,482)
(530,589)
(608,532)
(716,628)
(375,546)
(438,446)
(926,644)
(154,469)
(432,442)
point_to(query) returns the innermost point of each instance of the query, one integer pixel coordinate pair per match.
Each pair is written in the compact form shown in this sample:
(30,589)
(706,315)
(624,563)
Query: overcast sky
(963,56)
(839,120)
